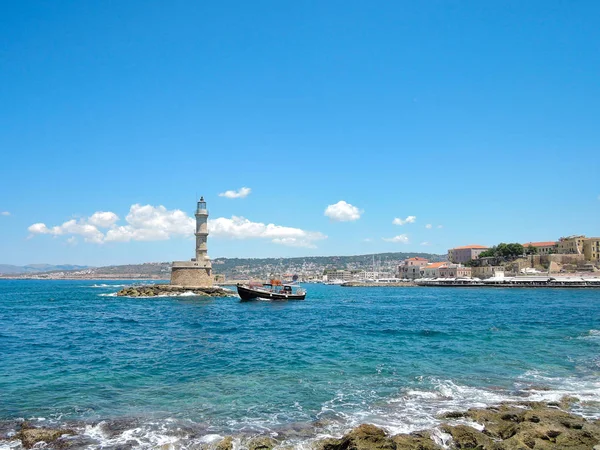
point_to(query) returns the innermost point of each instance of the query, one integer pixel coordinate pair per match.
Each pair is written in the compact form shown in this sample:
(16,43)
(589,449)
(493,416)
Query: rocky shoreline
(162,290)
(508,426)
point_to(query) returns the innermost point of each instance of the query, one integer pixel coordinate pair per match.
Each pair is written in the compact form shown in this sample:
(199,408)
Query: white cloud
(429,226)
(103,219)
(73,227)
(240,193)
(242,228)
(409,219)
(425,243)
(4,213)
(343,212)
(72,240)
(38,228)
(144,223)
(151,223)
(367,240)
(155,223)
(401,238)
(440,226)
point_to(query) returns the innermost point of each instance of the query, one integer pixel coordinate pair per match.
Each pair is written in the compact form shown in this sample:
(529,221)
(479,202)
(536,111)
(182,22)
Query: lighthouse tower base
(191,274)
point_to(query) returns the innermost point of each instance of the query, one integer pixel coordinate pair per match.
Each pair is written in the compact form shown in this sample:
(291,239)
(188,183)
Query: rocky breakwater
(166,290)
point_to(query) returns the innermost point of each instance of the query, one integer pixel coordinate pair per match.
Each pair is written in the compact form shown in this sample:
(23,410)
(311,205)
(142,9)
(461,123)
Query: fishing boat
(274,290)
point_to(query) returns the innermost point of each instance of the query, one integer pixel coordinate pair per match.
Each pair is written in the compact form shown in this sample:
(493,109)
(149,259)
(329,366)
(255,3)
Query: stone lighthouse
(198,271)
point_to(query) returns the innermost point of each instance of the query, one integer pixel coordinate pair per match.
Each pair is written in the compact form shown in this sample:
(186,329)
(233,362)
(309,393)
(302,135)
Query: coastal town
(573,259)
(569,261)
(567,257)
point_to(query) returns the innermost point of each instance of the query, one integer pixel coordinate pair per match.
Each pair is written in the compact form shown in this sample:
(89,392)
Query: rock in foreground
(510,426)
(156,290)
(524,426)
(30,435)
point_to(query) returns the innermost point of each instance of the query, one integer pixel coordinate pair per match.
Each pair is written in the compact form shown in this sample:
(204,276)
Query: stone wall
(191,276)
(485,271)
(562,259)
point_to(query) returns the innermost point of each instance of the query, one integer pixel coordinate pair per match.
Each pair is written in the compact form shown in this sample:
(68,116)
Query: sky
(310,127)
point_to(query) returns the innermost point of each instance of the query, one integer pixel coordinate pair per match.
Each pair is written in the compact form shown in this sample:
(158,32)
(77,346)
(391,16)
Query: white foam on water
(418,409)
(441,438)
(592,335)
(587,390)
(415,408)
(146,436)
(186,294)
(210,438)
(166,295)
(103,285)
(112,294)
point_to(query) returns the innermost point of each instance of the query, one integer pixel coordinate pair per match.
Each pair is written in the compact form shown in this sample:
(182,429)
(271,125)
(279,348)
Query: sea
(183,372)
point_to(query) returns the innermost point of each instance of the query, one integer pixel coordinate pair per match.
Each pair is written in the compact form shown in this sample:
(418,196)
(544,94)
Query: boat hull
(252,294)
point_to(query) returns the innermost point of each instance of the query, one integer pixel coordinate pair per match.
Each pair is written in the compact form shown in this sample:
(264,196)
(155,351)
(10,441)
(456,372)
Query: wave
(593,335)
(417,407)
(112,294)
(103,285)
(543,388)
(170,294)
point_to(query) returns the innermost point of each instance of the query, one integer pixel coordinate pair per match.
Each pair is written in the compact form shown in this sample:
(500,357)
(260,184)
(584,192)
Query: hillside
(236,268)
(329,262)
(8,269)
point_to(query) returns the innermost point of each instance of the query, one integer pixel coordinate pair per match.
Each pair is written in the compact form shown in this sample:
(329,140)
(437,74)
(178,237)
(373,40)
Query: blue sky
(479,117)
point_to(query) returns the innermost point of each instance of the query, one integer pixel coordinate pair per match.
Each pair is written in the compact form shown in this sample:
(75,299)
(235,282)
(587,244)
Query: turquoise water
(73,353)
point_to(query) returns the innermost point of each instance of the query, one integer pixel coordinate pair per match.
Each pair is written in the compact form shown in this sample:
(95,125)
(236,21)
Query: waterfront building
(373,276)
(486,271)
(464,254)
(337,275)
(454,271)
(572,245)
(198,271)
(591,249)
(432,270)
(411,268)
(543,248)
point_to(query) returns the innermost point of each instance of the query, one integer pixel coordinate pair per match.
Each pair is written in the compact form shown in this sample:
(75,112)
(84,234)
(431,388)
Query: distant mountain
(37,268)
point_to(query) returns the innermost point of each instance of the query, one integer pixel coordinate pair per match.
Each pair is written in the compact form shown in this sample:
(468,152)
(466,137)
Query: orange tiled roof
(416,258)
(540,244)
(436,265)
(469,246)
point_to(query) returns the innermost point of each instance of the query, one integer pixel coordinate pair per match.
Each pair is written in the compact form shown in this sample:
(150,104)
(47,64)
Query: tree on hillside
(531,250)
(502,250)
(516,250)
(489,253)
